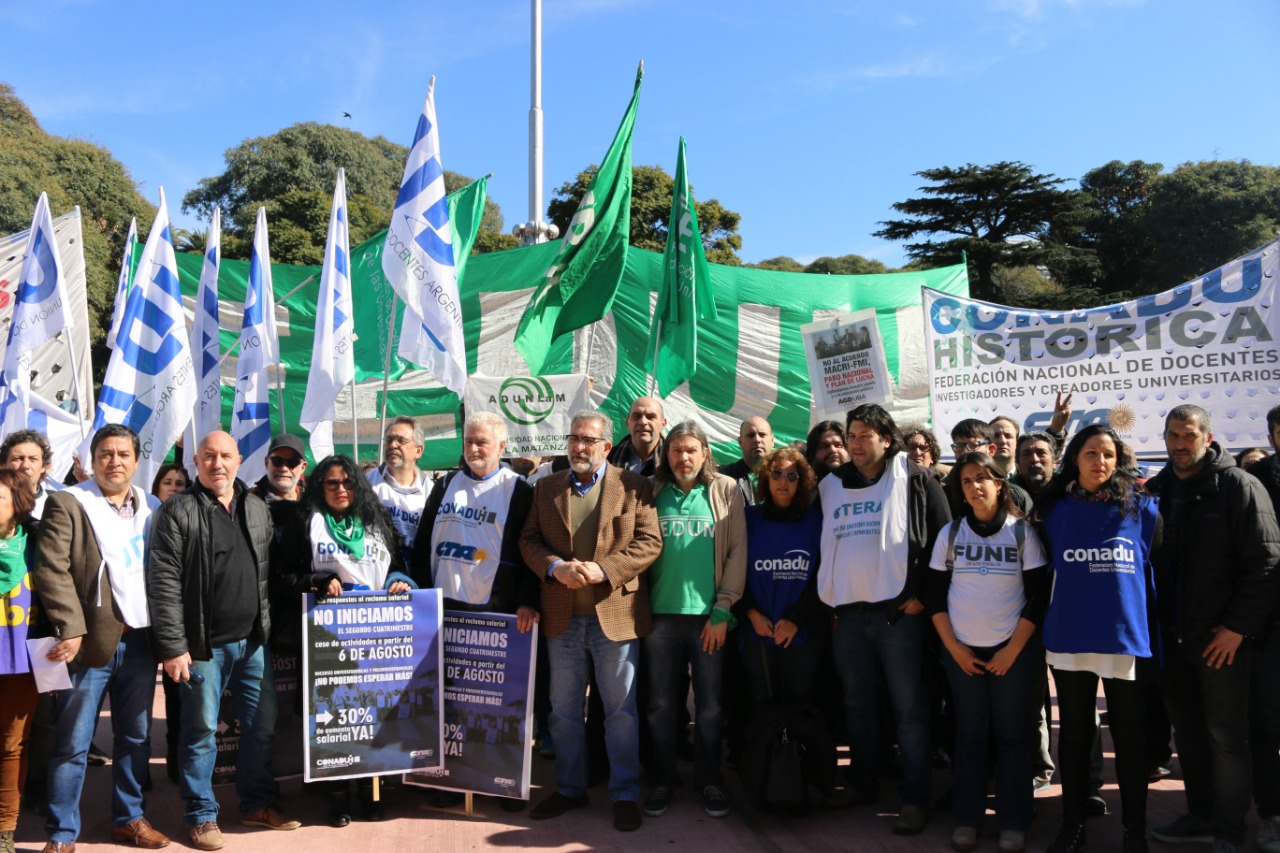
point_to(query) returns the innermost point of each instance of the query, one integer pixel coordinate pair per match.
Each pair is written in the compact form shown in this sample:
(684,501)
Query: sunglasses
(285,461)
(789,476)
(347,485)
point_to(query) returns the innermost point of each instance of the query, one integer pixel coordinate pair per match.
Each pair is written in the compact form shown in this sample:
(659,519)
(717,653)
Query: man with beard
(398,483)
(825,448)
(591,533)
(755,438)
(642,447)
(1036,457)
(281,487)
(1004,437)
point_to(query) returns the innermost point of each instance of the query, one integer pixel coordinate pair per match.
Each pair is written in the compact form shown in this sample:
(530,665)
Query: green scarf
(347,531)
(13,560)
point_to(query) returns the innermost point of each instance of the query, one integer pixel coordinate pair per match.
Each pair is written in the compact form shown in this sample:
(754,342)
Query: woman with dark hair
(987,596)
(1101,529)
(20,605)
(1248,457)
(923,449)
(783,647)
(169,480)
(342,539)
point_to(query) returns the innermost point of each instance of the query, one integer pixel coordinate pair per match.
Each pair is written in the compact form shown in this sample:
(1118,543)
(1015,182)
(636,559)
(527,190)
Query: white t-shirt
(404,503)
(986,594)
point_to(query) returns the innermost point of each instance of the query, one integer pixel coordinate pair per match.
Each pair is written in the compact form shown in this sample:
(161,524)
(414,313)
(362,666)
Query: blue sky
(808,118)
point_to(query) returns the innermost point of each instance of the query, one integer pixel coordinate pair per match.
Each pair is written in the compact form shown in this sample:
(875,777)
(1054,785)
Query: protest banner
(846,363)
(488,706)
(1210,342)
(372,701)
(537,409)
(286,757)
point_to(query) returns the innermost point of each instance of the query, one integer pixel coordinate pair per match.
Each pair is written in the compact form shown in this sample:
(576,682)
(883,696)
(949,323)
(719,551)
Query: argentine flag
(150,385)
(251,416)
(418,258)
(332,354)
(39,313)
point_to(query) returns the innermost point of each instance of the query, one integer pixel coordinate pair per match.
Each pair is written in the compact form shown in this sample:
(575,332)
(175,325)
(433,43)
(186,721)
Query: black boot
(372,808)
(1070,838)
(1135,839)
(339,808)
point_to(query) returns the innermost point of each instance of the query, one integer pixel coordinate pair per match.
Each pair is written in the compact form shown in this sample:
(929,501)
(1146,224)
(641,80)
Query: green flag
(579,286)
(685,297)
(466,209)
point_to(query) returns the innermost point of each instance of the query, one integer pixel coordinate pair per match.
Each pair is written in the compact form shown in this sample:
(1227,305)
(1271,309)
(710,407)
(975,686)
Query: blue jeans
(993,706)
(581,646)
(130,679)
(862,638)
(243,668)
(673,645)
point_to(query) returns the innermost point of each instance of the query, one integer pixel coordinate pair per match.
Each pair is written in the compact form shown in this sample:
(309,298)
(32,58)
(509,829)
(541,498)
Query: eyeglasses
(789,476)
(285,461)
(586,440)
(347,485)
(969,446)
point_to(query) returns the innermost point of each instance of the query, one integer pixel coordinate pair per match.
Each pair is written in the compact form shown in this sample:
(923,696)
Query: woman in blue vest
(780,652)
(1100,529)
(987,595)
(20,611)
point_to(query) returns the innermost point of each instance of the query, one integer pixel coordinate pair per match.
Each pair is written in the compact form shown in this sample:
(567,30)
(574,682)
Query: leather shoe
(140,834)
(557,804)
(626,816)
(59,847)
(206,836)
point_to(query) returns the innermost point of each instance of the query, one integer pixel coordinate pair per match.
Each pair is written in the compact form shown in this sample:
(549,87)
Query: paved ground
(412,824)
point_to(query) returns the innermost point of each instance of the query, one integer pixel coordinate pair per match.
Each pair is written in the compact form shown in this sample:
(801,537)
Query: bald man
(642,447)
(755,438)
(207,588)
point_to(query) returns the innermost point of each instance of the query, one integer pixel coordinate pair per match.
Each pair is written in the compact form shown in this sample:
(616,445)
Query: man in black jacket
(641,448)
(1215,585)
(755,438)
(207,576)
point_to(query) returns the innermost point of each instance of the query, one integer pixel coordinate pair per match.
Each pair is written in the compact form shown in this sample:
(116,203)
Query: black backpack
(787,751)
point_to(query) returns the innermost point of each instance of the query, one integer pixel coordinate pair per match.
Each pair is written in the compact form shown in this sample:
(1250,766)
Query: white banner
(846,363)
(1211,342)
(538,409)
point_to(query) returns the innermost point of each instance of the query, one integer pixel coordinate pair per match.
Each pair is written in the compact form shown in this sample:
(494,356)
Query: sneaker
(655,805)
(1012,841)
(714,801)
(1268,839)
(1071,838)
(97,757)
(1095,806)
(910,820)
(270,817)
(206,836)
(964,838)
(1041,782)
(1185,829)
(1158,773)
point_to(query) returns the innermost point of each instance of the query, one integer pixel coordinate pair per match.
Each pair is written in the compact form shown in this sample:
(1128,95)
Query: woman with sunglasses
(986,594)
(780,601)
(1101,529)
(341,540)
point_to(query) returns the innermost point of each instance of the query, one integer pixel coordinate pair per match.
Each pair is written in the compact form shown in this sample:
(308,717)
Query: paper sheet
(49,675)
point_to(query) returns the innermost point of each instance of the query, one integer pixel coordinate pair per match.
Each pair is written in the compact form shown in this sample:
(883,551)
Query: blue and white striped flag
(204,338)
(38,315)
(332,355)
(150,384)
(123,282)
(63,429)
(251,416)
(418,257)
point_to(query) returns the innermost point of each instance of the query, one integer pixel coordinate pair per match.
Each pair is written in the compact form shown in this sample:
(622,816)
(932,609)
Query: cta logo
(458,551)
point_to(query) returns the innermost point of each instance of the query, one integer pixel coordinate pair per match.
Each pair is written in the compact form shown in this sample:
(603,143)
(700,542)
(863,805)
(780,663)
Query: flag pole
(75,373)
(280,391)
(355,430)
(386,376)
(657,342)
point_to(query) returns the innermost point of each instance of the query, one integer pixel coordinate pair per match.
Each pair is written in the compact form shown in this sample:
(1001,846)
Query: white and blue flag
(150,384)
(251,416)
(332,353)
(418,258)
(123,282)
(39,314)
(204,338)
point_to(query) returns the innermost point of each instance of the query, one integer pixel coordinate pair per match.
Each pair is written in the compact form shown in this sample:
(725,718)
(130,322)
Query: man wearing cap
(283,483)
(398,483)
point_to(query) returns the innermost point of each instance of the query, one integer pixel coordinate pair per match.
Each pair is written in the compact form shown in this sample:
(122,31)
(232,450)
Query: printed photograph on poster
(372,697)
(846,360)
(537,409)
(488,706)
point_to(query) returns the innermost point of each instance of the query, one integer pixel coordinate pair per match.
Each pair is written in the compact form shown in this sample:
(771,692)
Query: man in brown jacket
(89,570)
(590,535)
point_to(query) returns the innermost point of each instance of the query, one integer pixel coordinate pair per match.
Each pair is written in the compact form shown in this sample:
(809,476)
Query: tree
(846,265)
(997,215)
(1115,198)
(1202,215)
(782,263)
(651,193)
(292,173)
(73,172)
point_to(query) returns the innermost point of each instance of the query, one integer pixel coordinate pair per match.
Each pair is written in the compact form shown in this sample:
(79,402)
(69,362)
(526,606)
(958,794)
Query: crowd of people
(921,608)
